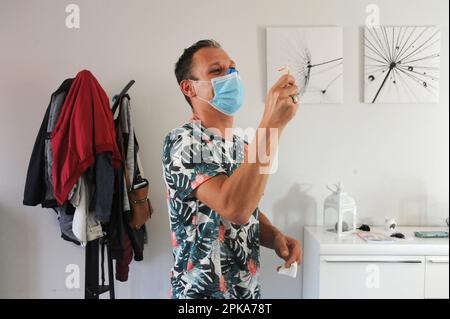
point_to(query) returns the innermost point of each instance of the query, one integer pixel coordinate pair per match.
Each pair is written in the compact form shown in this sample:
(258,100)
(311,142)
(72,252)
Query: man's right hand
(279,106)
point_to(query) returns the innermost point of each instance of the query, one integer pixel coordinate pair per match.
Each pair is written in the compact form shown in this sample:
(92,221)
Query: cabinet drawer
(362,277)
(436,277)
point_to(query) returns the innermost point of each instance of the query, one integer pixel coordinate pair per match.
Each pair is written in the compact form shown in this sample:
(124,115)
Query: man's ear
(187,87)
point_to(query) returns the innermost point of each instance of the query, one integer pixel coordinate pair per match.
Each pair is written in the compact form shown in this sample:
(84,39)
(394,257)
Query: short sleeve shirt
(214,258)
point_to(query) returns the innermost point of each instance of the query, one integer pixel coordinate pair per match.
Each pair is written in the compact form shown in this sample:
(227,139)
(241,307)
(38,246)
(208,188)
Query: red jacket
(84,129)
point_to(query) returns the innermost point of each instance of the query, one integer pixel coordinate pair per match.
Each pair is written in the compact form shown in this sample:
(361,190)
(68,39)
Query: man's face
(209,63)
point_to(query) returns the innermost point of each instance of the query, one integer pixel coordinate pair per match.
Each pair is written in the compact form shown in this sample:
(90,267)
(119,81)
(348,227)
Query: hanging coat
(84,129)
(38,185)
(126,242)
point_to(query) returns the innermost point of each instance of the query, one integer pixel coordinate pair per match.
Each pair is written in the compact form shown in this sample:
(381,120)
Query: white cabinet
(348,267)
(436,277)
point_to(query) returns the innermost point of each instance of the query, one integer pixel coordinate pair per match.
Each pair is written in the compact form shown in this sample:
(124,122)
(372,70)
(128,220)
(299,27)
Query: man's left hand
(288,249)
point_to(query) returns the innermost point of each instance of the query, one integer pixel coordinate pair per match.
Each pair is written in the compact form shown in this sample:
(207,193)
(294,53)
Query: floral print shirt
(214,258)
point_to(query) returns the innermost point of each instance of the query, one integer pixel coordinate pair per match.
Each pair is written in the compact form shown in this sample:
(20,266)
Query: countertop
(351,244)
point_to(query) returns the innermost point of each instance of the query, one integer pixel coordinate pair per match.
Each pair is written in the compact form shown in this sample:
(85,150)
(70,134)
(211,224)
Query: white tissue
(291,271)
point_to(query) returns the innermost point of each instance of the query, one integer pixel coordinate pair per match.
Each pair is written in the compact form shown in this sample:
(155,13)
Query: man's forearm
(267,232)
(244,188)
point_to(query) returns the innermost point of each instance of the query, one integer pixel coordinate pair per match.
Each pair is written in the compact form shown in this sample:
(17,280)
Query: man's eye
(216,71)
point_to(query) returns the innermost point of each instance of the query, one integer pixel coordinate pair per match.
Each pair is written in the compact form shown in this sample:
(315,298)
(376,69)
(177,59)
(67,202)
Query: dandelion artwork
(402,64)
(313,55)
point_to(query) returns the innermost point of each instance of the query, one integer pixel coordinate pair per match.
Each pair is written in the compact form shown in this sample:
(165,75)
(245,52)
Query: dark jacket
(37,189)
(120,233)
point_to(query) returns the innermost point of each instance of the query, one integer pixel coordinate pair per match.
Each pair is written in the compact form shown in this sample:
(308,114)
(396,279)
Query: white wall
(392,158)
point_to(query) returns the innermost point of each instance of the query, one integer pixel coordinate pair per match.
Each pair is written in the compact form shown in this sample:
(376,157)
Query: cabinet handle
(438,261)
(376,261)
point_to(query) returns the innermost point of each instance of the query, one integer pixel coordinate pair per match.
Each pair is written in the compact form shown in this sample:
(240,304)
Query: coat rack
(93,289)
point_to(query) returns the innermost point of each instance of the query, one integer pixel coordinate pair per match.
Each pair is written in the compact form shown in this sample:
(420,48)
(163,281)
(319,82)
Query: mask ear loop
(200,81)
(198,96)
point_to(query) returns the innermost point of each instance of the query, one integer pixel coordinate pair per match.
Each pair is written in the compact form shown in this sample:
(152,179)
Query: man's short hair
(184,64)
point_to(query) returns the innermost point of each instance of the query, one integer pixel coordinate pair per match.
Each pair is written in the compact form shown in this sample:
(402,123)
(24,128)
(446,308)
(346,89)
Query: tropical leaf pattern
(214,258)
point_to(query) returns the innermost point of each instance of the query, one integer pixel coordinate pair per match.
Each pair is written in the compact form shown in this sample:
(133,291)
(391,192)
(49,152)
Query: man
(213,189)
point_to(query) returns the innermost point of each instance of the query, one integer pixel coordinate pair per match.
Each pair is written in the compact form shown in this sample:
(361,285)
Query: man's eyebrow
(217,63)
(214,64)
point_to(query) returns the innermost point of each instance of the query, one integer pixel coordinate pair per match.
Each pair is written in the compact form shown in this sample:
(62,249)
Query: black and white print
(402,64)
(314,56)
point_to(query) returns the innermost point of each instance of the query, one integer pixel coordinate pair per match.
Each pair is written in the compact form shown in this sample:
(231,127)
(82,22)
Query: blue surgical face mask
(228,92)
